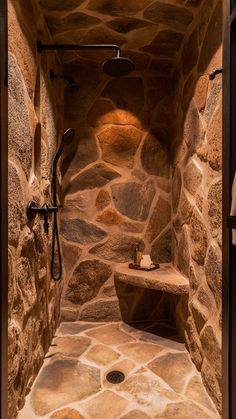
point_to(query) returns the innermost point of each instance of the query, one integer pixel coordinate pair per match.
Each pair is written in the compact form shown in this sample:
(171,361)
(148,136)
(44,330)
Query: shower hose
(56,248)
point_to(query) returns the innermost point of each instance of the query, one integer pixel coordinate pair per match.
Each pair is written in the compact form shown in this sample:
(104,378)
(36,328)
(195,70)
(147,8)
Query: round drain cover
(115,377)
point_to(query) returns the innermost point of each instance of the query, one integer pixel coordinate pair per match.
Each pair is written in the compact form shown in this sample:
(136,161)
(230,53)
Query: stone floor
(160,380)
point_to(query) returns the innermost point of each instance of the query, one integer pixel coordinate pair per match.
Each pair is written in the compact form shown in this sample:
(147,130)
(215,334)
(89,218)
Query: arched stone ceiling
(150,32)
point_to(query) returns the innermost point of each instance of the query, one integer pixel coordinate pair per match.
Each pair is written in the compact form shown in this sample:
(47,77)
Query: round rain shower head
(118,66)
(72,87)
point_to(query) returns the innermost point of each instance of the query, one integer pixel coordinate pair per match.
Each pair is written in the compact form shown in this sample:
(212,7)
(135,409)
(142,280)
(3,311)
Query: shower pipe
(116,66)
(70,47)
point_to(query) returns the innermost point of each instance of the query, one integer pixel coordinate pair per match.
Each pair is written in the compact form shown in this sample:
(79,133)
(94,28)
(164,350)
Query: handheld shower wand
(66,139)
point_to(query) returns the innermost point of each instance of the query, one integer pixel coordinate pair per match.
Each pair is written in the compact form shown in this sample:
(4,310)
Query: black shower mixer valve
(33,209)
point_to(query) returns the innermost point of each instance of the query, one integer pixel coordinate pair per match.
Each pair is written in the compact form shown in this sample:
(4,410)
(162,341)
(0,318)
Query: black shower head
(71,86)
(66,139)
(118,66)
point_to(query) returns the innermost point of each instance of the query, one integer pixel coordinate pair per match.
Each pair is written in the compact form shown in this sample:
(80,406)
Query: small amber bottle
(137,256)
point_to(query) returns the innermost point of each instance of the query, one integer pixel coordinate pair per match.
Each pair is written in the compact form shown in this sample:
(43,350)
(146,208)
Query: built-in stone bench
(166,278)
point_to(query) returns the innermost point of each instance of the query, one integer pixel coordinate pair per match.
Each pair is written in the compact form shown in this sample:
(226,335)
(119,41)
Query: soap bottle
(137,255)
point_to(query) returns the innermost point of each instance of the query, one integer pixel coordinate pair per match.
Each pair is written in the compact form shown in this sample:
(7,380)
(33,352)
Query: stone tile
(183,410)
(140,352)
(166,343)
(61,24)
(168,14)
(119,144)
(196,391)
(19,126)
(103,199)
(126,24)
(211,346)
(102,35)
(63,380)
(71,254)
(214,200)
(67,413)
(190,53)
(101,310)
(81,231)
(211,383)
(165,45)
(148,391)
(209,45)
(16,211)
(213,271)
(72,346)
(176,188)
(127,93)
(74,328)
(192,177)
(102,355)
(118,248)
(212,151)
(82,152)
(99,175)
(161,248)
(159,219)
(60,5)
(110,335)
(198,235)
(140,199)
(86,281)
(200,93)
(119,8)
(183,252)
(135,414)
(173,368)
(154,157)
(109,217)
(106,405)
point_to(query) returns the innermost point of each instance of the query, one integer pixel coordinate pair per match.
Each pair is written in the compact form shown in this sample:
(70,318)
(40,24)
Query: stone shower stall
(144,169)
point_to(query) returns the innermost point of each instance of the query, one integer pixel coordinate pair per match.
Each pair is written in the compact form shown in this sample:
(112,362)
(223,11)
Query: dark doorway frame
(229,223)
(3,203)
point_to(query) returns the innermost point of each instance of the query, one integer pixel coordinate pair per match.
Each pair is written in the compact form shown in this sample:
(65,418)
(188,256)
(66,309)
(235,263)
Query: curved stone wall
(196,191)
(34,301)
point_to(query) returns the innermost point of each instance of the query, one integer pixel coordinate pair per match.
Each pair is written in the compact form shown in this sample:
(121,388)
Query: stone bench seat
(166,278)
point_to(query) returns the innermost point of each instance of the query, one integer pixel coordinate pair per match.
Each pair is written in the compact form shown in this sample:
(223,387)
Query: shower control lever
(33,209)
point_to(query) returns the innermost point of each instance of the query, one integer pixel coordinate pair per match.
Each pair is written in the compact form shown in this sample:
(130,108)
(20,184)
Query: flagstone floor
(160,379)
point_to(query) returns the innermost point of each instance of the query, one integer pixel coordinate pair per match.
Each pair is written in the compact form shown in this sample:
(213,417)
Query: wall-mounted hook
(214,73)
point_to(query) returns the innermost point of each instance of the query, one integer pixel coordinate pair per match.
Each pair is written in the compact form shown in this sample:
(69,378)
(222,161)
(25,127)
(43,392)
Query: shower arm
(70,47)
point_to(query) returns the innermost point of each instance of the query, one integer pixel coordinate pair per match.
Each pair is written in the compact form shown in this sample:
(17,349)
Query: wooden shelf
(166,278)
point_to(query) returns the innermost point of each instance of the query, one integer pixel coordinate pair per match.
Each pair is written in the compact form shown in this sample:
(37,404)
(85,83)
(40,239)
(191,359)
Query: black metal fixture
(214,73)
(115,377)
(71,86)
(116,66)
(66,139)
(33,209)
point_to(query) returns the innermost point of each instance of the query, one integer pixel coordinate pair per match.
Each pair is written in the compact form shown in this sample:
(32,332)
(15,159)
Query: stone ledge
(166,278)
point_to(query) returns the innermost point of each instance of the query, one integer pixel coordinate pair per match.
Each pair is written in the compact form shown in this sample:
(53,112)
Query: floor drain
(115,377)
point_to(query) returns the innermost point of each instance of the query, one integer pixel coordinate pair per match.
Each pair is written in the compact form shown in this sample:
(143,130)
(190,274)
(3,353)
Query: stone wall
(196,191)
(116,187)
(34,124)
